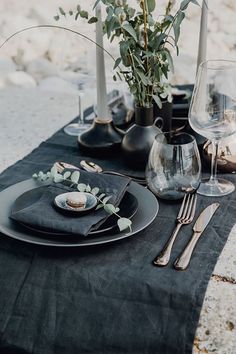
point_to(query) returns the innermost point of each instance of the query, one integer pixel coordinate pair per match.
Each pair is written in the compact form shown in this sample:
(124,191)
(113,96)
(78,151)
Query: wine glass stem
(215,148)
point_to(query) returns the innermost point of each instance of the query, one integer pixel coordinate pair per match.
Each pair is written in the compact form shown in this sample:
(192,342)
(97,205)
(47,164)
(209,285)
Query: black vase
(139,138)
(165,113)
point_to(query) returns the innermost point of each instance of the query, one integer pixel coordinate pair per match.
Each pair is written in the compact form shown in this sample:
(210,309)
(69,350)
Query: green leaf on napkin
(110,209)
(75,177)
(67,174)
(81,187)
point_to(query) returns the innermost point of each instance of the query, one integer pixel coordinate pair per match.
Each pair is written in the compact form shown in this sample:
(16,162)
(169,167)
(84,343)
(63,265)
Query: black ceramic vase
(139,138)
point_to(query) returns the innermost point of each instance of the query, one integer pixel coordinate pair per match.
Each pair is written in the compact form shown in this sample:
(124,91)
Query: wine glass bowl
(212,114)
(174,166)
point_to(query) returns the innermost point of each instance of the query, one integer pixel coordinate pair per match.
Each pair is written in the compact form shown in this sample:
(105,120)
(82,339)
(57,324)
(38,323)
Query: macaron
(76,200)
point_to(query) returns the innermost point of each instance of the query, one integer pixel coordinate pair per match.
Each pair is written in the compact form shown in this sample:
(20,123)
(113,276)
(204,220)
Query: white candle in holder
(102,104)
(202,45)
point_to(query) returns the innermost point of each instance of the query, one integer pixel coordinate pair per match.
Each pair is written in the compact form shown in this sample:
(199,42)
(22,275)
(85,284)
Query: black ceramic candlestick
(102,138)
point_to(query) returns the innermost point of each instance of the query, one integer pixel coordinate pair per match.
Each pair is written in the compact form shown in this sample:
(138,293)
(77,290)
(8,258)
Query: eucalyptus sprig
(73,178)
(144,43)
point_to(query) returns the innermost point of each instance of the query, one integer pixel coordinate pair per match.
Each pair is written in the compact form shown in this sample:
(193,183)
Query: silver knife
(201,223)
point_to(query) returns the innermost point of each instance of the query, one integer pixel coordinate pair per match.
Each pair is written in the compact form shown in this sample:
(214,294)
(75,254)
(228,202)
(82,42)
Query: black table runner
(106,298)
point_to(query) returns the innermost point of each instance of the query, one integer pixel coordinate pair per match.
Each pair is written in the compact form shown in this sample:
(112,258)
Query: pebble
(20,78)
(41,68)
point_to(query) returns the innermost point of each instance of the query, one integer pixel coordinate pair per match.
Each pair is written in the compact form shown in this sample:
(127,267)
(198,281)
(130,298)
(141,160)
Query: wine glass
(212,114)
(174,166)
(76,129)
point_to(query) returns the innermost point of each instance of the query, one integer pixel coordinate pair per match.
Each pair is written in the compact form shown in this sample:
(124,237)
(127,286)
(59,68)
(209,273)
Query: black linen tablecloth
(107,298)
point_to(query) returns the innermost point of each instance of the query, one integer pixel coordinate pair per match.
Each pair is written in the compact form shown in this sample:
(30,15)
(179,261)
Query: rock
(41,68)
(57,84)
(7,66)
(20,78)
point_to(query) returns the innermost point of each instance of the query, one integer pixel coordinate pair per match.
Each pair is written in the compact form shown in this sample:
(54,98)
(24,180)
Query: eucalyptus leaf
(35,175)
(105,200)
(170,60)
(53,170)
(92,20)
(184,4)
(128,28)
(151,4)
(142,76)
(157,100)
(101,196)
(66,175)
(99,206)
(109,208)
(176,25)
(110,13)
(95,191)
(75,177)
(84,14)
(156,42)
(131,12)
(117,63)
(124,223)
(96,2)
(88,188)
(81,187)
(58,178)
(62,12)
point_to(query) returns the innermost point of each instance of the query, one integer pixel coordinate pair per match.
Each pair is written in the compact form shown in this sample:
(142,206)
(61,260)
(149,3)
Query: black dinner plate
(128,207)
(146,213)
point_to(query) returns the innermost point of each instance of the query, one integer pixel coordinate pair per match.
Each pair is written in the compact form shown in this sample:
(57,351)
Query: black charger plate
(146,213)
(128,208)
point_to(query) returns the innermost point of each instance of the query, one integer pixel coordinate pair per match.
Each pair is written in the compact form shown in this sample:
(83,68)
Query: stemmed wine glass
(212,114)
(75,129)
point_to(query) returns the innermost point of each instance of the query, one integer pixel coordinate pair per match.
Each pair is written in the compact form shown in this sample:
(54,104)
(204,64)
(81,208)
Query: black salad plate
(128,208)
(146,213)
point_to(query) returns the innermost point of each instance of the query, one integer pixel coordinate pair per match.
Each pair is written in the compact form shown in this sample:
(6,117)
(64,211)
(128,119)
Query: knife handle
(183,260)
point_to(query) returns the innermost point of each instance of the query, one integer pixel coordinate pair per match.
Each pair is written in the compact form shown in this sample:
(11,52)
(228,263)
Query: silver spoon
(90,166)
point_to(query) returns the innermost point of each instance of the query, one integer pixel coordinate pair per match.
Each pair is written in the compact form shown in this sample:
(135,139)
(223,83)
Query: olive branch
(73,178)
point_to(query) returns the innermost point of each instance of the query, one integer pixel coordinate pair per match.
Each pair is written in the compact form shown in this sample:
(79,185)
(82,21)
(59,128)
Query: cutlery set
(185,216)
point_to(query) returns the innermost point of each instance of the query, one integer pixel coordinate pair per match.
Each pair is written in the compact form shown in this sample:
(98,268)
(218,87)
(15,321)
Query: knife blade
(201,223)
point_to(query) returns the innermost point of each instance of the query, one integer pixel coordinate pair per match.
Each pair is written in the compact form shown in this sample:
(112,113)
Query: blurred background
(67,51)
(41,70)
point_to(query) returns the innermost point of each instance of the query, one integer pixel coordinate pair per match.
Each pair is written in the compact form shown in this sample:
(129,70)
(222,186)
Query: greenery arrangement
(73,178)
(145,58)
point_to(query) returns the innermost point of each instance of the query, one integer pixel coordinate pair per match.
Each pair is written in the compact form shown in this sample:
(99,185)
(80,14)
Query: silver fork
(185,216)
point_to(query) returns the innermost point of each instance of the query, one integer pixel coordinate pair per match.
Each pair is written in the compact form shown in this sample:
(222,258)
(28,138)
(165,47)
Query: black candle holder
(102,138)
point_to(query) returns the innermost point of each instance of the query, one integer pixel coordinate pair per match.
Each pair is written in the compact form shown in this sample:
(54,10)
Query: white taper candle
(102,104)
(202,45)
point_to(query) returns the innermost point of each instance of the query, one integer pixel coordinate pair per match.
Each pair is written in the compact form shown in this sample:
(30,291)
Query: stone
(7,66)
(20,78)
(41,68)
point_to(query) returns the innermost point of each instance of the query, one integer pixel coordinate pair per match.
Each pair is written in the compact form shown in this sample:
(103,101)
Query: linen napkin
(44,215)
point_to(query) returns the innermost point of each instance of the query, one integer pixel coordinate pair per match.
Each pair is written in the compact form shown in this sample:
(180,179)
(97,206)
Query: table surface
(216,331)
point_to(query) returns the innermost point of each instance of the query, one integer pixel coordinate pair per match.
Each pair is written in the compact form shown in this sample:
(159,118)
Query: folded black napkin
(44,215)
